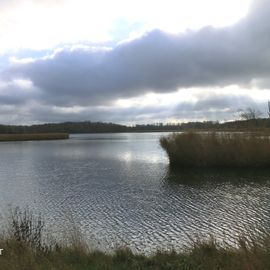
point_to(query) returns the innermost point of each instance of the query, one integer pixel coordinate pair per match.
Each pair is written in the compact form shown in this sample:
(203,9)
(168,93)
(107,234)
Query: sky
(133,62)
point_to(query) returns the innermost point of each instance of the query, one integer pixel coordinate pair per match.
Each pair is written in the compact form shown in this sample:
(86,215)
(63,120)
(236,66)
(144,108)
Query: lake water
(118,190)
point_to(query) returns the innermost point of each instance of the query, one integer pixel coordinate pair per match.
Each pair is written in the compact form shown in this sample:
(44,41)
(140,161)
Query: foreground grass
(205,256)
(24,249)
(33,137)
(212,149)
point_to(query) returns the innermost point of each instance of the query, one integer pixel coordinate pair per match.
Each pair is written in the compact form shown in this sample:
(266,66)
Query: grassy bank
(33,137)
(213,149)
(207,256)
(23,248)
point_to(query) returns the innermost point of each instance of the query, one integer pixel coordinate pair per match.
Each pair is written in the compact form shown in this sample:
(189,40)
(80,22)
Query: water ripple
(120,191)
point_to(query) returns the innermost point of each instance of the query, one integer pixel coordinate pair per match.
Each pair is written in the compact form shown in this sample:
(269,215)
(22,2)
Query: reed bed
(34,137)
(217,149)
(24,249)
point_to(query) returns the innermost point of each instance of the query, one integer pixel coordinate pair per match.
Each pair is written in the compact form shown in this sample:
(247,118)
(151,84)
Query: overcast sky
(130,62)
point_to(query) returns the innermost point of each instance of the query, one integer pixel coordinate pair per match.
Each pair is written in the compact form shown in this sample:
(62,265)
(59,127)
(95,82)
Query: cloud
(158,62)
(210,107)
(17,92)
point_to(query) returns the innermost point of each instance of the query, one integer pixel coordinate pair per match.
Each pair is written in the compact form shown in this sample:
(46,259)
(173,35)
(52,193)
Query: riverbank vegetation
(101,127)
(217,149)
(33,137)
(23,247)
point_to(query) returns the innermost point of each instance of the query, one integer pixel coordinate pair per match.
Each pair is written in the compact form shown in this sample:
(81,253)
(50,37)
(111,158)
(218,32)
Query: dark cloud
(17,92)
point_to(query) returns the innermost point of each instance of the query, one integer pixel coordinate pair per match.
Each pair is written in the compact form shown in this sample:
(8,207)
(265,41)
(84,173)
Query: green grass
(213,149)
(33,137)
(24,249)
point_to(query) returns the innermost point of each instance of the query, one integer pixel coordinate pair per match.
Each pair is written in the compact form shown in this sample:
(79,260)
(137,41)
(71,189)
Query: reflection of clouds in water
(129,157)
(126,147)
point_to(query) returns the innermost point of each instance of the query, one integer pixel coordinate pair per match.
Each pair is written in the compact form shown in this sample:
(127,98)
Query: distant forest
(100,127)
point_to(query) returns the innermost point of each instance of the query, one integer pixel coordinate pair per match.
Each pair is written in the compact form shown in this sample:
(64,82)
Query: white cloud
(45,24)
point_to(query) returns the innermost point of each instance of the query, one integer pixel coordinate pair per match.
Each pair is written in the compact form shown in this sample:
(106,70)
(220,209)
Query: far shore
(33,137)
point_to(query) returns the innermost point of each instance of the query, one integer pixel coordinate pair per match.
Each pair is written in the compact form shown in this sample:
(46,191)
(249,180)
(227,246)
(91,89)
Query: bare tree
(249,113)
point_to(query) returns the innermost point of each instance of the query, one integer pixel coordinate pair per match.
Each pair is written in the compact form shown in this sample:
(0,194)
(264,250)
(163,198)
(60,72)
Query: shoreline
(33,137)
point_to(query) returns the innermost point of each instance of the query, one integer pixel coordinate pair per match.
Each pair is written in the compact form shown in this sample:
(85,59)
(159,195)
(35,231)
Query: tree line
(100,127)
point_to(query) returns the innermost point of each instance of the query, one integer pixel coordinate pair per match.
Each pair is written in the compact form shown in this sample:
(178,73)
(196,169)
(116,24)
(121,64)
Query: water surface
(118,190)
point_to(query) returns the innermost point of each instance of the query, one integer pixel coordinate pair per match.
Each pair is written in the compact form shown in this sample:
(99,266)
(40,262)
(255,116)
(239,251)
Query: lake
(118,190)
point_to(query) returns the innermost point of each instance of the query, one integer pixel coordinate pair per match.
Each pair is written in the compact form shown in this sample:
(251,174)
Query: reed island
(218,149)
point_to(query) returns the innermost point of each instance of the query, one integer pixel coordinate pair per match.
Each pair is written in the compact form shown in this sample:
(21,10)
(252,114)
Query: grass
(33,137)
(213,149)
(24,249)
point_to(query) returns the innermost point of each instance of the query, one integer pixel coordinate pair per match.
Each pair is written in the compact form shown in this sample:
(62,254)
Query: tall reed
(217,149)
